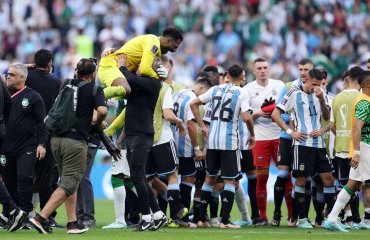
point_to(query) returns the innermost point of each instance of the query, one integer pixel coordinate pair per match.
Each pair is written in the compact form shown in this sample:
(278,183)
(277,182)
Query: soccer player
(308,106)
(267,131)
(141,52)
(188,149)
(168,63)
(340,124)
(228,102)
(359,154)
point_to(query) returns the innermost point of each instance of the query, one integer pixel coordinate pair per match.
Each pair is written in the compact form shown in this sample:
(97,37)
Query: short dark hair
(235,71)
(364,76)
(315,73)
(205,81)
(324,72)
(201,74)
(368,60)
(354,73)
(173,32)
(305,61)
(344,75)
(259,60)
(86,66)
(42,58)
(210,68)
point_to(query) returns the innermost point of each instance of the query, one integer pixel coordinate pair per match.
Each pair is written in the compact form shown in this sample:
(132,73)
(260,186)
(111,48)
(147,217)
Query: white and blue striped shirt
(243,134)
(306,112)
(181,108)
(228,101)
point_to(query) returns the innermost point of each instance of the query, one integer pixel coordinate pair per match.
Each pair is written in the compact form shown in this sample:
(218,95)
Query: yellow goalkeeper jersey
(140,52)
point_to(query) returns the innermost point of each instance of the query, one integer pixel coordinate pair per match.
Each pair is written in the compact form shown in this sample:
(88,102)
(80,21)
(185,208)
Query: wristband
(356,152)
(289,131)
(197,148)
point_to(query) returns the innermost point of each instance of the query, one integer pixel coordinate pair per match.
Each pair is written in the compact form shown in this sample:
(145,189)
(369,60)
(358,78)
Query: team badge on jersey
(301,167)
(25,102)
(154,49)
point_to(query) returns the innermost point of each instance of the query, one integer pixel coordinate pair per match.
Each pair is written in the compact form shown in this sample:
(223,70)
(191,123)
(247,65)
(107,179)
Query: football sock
(227,198)
(261,194)
(173,197)
(252,182)
(342,199)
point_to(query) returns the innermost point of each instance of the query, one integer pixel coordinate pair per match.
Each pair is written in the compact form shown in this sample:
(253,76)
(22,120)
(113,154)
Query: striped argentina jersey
(306,112)
(227,101)
(181,108)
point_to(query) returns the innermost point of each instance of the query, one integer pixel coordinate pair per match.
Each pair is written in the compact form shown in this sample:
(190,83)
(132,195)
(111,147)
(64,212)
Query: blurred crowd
(332,33)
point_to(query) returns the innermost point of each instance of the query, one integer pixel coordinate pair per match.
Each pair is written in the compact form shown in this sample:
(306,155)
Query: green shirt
(362,112)
(341,115)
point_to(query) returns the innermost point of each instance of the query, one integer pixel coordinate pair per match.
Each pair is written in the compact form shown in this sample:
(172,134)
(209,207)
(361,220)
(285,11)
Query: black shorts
(162,159)
(285,154)
(246,163)
(309,161)
(228,161)
(342,168)
(187,166)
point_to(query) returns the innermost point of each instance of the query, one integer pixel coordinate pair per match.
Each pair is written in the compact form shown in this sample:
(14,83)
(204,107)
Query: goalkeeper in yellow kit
(141,52)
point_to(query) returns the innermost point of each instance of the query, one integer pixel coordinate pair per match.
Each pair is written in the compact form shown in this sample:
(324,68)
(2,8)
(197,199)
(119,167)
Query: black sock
(173,197)
(279,191)
(300,201)
(162,203)
(308,197)
(227,199)
(294,206)
(185,197)
(213,206)
(355,205)
(318,204)
(252,182)
(206,198)
(196,210)
(185,193)
(330,196)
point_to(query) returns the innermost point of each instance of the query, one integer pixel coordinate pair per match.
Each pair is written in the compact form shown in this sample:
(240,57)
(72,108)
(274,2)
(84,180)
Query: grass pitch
(105,215)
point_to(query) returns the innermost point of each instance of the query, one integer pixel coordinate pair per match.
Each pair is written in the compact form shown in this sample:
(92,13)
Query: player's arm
(248,120)
(169,115)
(193,135)
(146,65)
(194,106)
(324,108)
(284,106)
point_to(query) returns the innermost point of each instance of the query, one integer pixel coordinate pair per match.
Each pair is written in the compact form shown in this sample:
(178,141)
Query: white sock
(342,199)
(147,217)
(157,215)
(119,203)
(241,202)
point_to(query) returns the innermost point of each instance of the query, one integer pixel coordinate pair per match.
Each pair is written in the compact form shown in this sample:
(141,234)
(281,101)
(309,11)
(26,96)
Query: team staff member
(70,150)
(47,85)
(139,139)
(25,138)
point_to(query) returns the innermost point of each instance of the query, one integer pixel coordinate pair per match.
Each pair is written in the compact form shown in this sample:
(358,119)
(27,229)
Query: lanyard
(19,91)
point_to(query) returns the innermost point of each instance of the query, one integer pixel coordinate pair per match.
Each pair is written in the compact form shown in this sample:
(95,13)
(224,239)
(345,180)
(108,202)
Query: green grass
(105,215)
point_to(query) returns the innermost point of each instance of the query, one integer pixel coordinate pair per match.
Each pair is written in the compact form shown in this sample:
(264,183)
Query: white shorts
(362,172)
(121,166)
